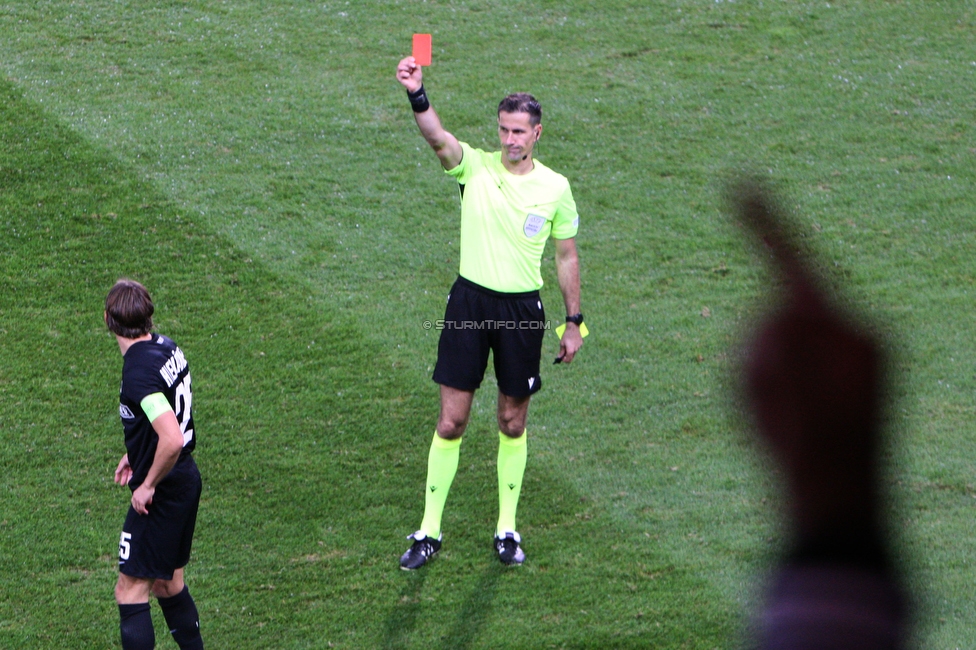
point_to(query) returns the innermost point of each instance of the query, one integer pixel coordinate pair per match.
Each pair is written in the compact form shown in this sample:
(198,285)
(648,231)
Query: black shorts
(511,325)
(155,545)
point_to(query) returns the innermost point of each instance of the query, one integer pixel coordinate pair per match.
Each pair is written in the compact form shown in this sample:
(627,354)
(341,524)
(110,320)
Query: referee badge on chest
(533,225)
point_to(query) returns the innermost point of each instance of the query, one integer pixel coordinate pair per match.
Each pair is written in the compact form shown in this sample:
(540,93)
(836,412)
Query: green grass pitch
(256,165)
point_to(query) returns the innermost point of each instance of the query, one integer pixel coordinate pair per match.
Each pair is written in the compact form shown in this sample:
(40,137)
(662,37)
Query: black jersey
(153,366)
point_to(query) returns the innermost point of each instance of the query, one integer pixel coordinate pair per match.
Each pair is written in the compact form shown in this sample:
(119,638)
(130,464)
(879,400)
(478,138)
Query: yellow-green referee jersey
(507,218)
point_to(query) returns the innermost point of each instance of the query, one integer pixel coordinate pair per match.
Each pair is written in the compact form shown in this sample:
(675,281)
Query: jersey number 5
(184,399)
(124,545)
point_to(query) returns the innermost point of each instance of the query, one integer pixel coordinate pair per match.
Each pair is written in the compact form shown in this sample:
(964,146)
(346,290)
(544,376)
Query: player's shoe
(509,550)
(422,549)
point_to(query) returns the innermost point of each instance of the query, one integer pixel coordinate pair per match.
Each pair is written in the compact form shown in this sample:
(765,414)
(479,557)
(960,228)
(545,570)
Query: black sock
(183,620)
(136,625)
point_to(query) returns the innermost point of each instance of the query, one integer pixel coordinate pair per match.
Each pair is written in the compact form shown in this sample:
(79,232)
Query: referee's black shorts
(479,320)
(155,545)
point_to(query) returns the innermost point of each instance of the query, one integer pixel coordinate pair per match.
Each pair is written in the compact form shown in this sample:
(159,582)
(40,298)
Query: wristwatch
(577,319)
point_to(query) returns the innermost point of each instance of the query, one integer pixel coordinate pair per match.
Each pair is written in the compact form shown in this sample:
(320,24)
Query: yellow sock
(442,464)
(511,468)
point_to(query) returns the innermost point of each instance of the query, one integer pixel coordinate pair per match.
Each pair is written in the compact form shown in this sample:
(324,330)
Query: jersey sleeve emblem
(533,225)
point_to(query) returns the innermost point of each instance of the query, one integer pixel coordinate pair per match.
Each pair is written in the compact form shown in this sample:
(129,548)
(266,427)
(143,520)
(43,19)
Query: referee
(510,205)
(155,406)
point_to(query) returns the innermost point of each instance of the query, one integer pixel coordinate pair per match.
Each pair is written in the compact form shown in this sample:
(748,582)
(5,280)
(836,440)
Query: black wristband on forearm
(418,100)
(865,548)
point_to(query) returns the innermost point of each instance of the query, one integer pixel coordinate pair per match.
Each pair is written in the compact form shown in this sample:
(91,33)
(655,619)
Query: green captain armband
(155,405)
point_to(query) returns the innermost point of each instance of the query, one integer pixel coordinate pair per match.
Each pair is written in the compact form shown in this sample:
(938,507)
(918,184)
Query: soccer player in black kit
(155,406)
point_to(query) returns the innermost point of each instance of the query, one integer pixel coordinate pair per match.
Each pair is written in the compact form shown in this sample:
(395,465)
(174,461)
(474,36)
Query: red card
(422,49)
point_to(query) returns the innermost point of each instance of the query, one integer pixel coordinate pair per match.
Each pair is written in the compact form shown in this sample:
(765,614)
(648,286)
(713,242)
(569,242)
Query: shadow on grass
(474,612)
(469,622)
(402,620)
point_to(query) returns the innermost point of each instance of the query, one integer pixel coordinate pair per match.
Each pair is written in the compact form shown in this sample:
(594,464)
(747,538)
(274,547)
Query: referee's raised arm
(444,144)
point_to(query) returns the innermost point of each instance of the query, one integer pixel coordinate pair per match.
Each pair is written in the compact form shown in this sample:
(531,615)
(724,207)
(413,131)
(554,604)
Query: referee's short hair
(522,103)
(129,309)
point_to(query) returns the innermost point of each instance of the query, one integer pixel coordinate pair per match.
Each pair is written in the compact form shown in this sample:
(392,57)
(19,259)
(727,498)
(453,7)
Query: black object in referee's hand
(576,318)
